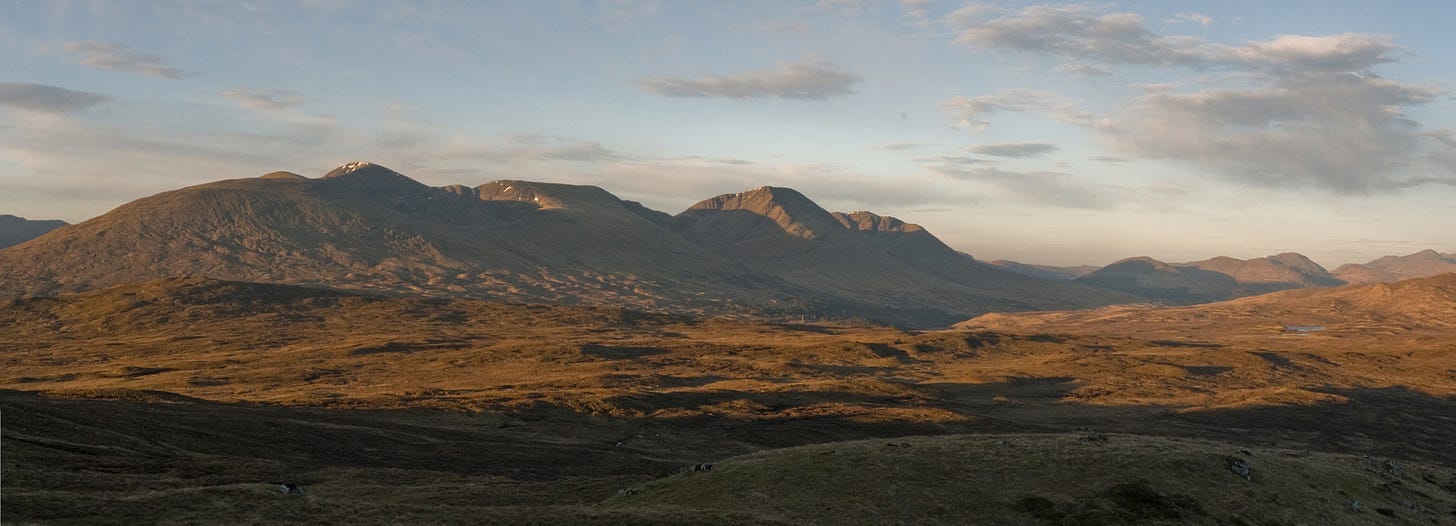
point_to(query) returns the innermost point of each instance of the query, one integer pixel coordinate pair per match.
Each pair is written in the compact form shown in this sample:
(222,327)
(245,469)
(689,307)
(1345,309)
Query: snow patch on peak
(354,166)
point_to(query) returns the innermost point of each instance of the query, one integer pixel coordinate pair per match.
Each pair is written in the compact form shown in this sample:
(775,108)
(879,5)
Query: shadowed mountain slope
(863,258)
(16,230)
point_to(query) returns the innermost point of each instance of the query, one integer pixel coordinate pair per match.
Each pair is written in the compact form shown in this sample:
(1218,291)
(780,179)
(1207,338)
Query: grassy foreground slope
(1083,479)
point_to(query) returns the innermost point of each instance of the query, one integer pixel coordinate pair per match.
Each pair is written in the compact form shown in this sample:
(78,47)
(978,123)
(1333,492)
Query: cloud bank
(1290,111)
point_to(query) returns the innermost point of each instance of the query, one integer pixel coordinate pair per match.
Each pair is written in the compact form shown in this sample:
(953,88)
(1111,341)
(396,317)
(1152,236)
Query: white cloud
(803,80)
(119,57)
(1343,53)
(47,99)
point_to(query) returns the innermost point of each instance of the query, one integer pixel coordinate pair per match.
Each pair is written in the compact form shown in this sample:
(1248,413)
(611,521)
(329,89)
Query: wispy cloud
(972,112)
(1086,34)
(46,99)
(807,80)
(119,57)
(265,99)
(1030,187)
(1197,18)
(1014,149)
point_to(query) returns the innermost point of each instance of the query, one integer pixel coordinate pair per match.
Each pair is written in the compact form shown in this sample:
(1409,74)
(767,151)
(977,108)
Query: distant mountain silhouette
(1413,304)
(767,252)
(1214,279)
(16,230)
(1394,268)
(1048,272)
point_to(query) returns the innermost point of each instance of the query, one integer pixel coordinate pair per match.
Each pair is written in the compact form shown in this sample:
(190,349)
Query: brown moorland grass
(183,400)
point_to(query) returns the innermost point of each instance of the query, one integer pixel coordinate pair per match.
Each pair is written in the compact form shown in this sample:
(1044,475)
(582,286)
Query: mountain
(883,265)
(1214,279)
(1377,308)
(1394,268)
(767,252)
(1047,272)
(16,230)
(1150,278)
(366,227)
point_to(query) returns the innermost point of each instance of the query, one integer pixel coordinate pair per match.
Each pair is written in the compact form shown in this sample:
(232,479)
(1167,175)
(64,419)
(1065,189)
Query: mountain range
(1394,268)
(765,252)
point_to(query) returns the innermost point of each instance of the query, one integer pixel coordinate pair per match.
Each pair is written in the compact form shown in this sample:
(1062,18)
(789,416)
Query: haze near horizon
(1043,133)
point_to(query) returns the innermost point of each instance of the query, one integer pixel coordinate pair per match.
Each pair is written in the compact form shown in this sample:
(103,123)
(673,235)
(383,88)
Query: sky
(1053,133)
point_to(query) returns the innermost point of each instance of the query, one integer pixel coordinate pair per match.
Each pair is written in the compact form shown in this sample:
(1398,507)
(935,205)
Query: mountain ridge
(764,252)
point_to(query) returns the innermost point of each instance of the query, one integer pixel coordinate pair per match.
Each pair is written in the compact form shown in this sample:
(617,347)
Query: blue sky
(1043,132)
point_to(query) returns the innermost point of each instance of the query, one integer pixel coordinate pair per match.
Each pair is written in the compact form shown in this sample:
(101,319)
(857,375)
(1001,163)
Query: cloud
(118,57)
(915,8)
(802,81)
(1081,33)
(1014,149)
(1308,112)
(46,99)
(264,99)
(971,112)
(1199,18)
(1337,53)
(1032,187)
(1345,132)
(1083,69)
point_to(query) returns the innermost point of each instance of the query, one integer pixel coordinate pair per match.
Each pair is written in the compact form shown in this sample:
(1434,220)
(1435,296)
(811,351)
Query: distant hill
(1394,268)
(767,252)
(1214,279)
(16,230)
(1377,308)
(1048,272)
